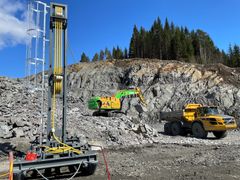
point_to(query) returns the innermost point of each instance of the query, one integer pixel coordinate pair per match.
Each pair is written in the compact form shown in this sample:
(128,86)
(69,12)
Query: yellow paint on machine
(110,103)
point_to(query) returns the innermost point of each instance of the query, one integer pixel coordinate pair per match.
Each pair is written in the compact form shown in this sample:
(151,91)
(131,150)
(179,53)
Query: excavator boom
(131,93)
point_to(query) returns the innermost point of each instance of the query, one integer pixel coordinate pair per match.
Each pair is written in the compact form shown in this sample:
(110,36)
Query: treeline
(170,42)
(233,56)
(115,53)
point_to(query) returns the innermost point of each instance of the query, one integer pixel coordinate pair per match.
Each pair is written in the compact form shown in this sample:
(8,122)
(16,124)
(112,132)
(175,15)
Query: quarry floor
(172,161)
(170,157)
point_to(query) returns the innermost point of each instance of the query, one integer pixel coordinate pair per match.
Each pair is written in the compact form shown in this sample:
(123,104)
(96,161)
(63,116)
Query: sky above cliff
(96,24)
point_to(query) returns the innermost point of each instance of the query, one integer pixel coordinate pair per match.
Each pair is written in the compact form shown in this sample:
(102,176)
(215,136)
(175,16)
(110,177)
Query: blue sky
(96,24)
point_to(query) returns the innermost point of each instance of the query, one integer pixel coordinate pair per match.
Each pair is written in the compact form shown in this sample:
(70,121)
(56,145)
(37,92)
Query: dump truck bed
(171,116)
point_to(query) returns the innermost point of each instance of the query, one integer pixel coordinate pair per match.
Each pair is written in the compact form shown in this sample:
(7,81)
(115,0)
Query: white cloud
(13,23)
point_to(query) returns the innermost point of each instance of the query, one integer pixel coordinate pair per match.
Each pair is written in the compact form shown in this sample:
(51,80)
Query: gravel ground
(171,157)
(175,158)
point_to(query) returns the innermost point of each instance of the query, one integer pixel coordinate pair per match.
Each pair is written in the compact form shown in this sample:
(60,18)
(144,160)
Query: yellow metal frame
(57,88)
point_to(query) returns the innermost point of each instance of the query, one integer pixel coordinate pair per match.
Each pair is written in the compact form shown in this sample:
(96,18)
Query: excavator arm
(131,93)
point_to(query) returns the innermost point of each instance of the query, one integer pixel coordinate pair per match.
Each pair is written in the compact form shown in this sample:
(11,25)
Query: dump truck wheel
(198,131)
(176,128)
(167,129)
(184,132)
(220,134)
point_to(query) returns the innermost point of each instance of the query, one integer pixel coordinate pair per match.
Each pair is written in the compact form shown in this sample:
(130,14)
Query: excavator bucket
(140,95)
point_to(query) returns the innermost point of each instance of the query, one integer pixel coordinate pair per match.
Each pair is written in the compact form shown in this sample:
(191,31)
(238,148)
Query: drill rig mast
(57,150)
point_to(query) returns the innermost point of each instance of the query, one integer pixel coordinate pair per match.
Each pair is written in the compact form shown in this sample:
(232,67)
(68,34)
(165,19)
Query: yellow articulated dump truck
(197,120)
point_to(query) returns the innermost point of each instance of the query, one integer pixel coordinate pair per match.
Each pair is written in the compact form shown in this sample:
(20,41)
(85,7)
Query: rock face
(166,86)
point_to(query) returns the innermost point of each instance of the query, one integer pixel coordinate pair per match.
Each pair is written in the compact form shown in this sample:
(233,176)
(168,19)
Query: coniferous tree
(95,57)
(118,54)
(114,53)
(173,42)
(101,56)
(142,44)
(175,51)
(156,38)
(125,53)
(84,58)
(134,44)
(230,57)
(108,54)
(166,45)
(235,57)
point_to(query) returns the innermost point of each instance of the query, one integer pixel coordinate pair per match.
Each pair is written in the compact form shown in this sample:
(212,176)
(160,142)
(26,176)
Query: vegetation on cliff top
(170,42)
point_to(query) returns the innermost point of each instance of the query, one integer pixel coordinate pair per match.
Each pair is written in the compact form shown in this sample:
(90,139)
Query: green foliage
(108,54)
(173,42)
(84,58)
(170,42)
(95,57)
(233,56)
(101,56)
(125,53)
(117,53)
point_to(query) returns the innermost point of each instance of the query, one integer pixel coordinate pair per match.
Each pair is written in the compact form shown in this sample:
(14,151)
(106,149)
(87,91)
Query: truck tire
(220,134)
(198,131)
(176,129)
(167,129)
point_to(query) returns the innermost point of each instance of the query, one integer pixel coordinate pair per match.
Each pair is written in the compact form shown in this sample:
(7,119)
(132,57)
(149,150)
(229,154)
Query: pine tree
(236,56)
(171,42)
(95,57)
(156,38)
(125,53)
(84,58)
(134,44)
(101,56)
(142,44)
(230,56)
(166,45)
(175,51)
(118,54)
(108,54)
(114,53)
(189,46)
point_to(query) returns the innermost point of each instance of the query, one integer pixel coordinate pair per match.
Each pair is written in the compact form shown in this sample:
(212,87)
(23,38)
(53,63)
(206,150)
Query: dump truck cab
(212,120)
(209,117)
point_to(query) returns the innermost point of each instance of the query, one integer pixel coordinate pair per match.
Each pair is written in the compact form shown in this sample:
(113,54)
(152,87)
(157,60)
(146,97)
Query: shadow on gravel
(6,147)
(62,175)
(191,136)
